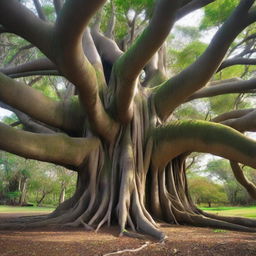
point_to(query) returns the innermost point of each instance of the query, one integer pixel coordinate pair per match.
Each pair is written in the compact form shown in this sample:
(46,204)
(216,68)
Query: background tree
(28,181)
(15,173)
(220,170)
(118,128)
(203,190)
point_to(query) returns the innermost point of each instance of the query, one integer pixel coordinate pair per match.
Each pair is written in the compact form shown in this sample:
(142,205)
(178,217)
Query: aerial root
(143,225)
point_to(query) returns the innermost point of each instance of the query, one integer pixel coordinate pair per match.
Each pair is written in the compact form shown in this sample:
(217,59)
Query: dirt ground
(181,241)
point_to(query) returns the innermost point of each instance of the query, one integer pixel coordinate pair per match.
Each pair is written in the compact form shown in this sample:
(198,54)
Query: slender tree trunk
(23,192)
(40,201)
(62,194)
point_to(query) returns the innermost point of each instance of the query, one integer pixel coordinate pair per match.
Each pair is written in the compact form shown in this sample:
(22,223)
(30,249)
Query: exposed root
(202,221)
(235,220)
(86,226)
(132,234)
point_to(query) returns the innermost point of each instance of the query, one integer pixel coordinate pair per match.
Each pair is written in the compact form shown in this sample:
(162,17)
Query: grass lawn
(14,209)
(249,212)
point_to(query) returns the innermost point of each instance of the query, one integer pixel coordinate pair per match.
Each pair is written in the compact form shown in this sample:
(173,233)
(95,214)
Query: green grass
(249,211)
(15,209)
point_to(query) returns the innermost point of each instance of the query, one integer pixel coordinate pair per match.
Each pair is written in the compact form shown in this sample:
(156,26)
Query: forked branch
(131,63)
(244,123)
(55,148)
(16,18)
(192,6)
(236,61)
(72,62)
(34,65)
(173,92)
(61,115)
(201,136)
(229,87)
(232,115)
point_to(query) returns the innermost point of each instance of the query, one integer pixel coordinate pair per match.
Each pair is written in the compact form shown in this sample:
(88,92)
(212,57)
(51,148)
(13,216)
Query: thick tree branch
(91,50)
(72,62)
(39,10)
(28,123)
(14,124)
(201,136)
(36,73)
(64,115)
(107,48)
(34,65)
(172,93)
(93,57)
(248,38)
(240,177)
(224,81)
(230,87)
(192,6)
(55,148)
(130,64)
(244,123)
(236,61)
(17,19)
(232,114)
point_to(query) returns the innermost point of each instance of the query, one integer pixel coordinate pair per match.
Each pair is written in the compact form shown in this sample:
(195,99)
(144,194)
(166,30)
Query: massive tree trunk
(131,165)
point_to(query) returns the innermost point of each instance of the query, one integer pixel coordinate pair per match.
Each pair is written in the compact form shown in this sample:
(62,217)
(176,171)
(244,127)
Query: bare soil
(182,240)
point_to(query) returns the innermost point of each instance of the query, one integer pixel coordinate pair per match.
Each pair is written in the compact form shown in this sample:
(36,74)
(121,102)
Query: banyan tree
(116,125)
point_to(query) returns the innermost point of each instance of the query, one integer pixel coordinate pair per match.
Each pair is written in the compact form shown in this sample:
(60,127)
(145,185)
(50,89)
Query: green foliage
(231,72)
(248,212)
(10,119)
(136,5)
(49,12)
(41,178)
(204,190)
(192,33)
(125,11)
(186,56)
(44,85)
(220,170)
(13,195)
(192,110)
(216,103)
(217,12)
